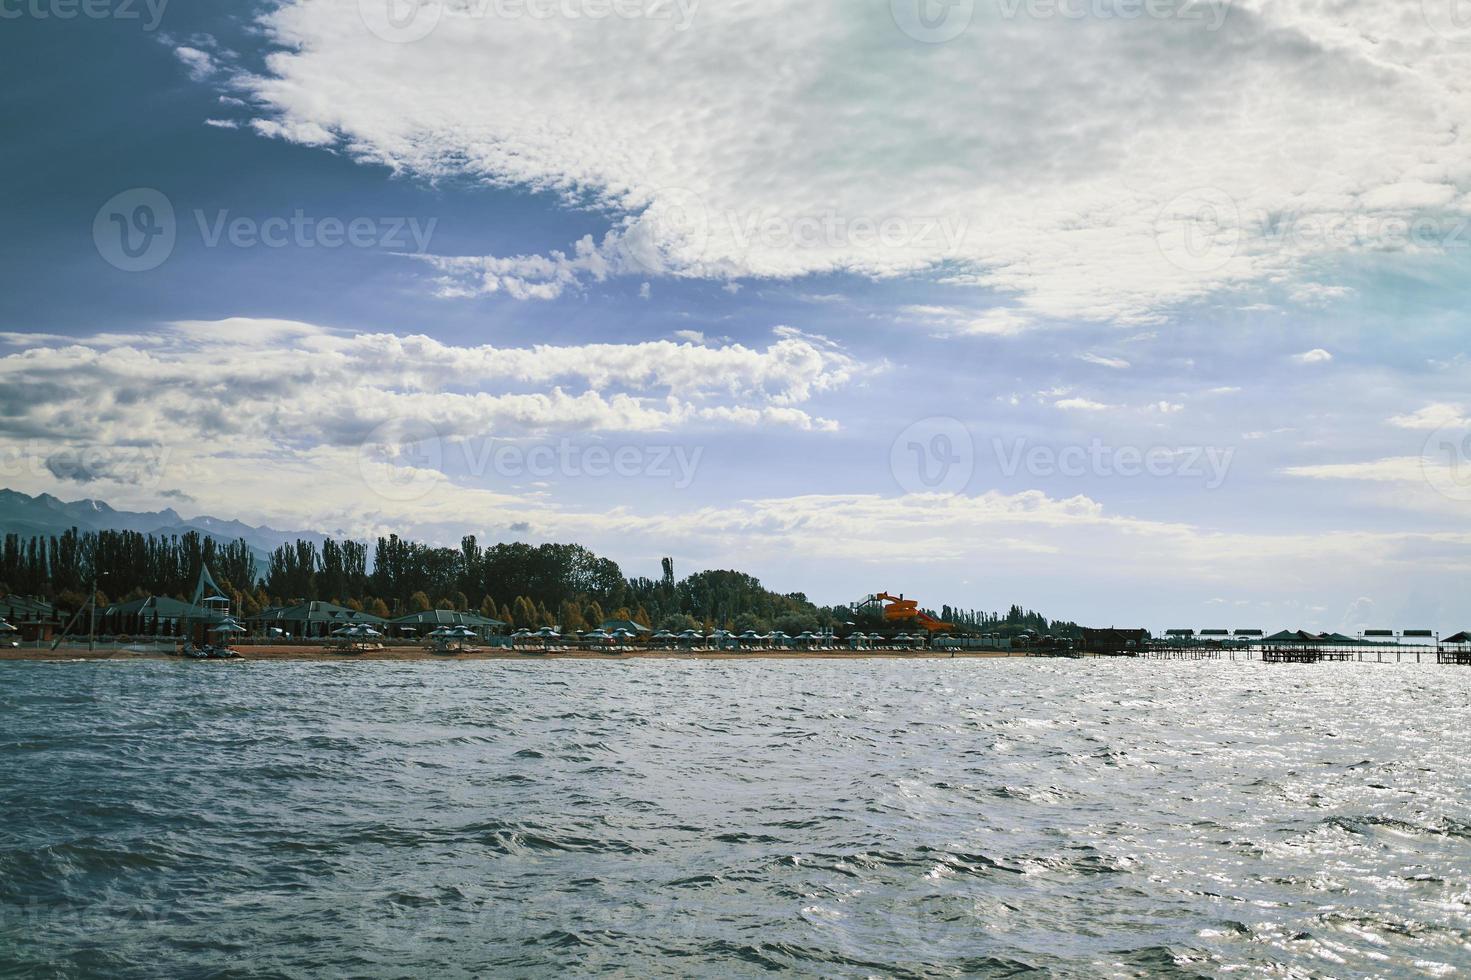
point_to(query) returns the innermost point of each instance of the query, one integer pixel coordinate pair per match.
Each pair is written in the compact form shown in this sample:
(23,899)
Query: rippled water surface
(842,818)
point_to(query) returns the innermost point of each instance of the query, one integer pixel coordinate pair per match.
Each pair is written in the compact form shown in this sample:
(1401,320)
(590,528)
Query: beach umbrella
(228,627)
(548,633)
(663,635)
(7,628)
(344,631)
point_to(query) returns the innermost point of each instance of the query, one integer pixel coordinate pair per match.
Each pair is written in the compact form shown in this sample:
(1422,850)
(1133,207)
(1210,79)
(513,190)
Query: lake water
(848,818)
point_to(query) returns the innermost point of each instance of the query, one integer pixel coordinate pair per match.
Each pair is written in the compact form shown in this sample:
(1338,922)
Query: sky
(1135,312)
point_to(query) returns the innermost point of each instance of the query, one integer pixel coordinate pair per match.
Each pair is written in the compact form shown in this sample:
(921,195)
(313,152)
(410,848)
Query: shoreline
(286,654)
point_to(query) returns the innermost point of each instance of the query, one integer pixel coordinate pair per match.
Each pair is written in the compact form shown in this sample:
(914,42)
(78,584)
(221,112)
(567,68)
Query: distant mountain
(47,515)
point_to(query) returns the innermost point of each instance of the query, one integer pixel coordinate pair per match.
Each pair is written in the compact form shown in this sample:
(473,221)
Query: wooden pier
(1459,657)
(1304,655)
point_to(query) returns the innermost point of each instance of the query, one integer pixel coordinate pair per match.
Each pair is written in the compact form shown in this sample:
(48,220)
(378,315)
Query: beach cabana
(225,630)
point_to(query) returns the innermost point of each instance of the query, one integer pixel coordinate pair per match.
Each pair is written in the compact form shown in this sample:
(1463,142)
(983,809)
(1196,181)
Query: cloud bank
(1093,167)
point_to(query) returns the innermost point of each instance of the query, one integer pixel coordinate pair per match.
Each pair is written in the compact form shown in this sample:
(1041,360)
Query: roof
(163,607)
(1461,637)
(1298,636)
(614,625)
(447,617)
(26,608)
(314,612)
(206,580)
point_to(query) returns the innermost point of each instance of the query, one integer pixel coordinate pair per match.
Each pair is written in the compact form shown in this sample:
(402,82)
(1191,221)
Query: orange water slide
(900,609)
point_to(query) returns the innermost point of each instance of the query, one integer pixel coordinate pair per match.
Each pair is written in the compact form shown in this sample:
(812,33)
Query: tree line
(526,586)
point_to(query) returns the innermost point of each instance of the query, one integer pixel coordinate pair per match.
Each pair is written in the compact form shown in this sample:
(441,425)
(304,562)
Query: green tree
(570,616)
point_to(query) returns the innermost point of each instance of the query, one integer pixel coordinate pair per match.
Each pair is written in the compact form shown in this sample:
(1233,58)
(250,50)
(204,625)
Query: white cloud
(1032,176)
(1081,405)
(1398,469)
(1315,356)
(269,384)
(1436,416)
(200,64)
(1117,363)
(1317,294)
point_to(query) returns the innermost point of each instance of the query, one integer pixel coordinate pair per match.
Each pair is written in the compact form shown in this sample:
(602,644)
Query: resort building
(308,620)
(1114,642)
(34,619)
(424,623)
(626,625)
(156,616)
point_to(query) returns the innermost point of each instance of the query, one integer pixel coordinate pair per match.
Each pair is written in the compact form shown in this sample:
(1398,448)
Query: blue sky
(1153,319)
